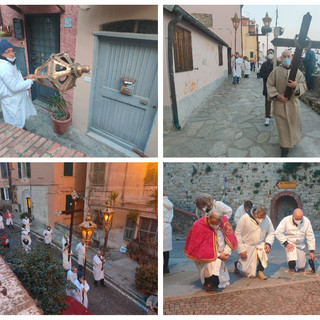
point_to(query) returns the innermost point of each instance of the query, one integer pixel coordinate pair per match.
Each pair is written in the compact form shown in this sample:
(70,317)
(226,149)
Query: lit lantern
(107,216)
(87,229)
(60,72)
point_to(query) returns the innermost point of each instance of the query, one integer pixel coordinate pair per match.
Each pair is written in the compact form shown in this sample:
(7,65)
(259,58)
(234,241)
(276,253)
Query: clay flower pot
(61,126)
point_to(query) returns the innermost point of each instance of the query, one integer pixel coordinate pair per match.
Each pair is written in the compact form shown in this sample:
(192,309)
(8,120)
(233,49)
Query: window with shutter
(182,49)
(68,169)
(68,202)
(24,170)
(4,172)
(151,178)
(129,229)
(2,194)
(148,228)
(220,48)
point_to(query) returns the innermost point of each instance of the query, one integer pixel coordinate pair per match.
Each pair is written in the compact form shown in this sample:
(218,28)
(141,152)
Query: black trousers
(213,280)
(166,256)
(260,267)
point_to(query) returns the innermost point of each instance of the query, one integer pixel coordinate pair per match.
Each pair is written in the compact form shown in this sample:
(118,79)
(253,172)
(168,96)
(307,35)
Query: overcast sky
(289,18)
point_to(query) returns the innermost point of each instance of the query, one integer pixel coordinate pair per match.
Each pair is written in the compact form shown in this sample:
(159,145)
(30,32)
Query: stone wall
(257,182)
(14,299)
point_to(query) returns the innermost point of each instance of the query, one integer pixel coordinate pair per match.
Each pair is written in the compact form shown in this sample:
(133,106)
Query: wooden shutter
(28,170)
(2,194)
(68,169)
(4,172)
(68,202)
(182,49)
(19,170)
(220,48)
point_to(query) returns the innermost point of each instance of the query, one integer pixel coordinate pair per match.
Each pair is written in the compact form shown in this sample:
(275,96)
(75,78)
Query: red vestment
(201,243)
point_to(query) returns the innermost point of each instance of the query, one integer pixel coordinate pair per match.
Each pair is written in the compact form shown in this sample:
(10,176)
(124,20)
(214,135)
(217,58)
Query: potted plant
(61,118)
(146,278)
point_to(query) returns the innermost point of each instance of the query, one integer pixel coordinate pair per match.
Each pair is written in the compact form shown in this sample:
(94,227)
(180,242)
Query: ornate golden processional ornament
(60,72)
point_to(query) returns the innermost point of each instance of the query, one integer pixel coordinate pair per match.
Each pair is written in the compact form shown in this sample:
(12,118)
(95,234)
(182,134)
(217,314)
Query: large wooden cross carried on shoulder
(300,42)
(75,197)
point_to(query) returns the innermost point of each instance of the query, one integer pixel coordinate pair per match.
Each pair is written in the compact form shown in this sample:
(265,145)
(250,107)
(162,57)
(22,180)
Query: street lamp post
(87,229)
(107,217)
(267,21)
(235,21)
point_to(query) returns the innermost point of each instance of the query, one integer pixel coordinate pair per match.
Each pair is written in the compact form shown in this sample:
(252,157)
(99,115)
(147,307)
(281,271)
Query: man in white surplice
(291,233)
(255,235)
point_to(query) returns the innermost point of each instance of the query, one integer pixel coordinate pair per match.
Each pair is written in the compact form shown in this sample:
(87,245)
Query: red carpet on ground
(75,308)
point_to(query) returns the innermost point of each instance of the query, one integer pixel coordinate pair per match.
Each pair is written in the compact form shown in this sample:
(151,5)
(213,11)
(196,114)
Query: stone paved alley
(230,123)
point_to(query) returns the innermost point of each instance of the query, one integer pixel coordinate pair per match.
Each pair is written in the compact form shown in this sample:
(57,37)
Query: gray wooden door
(118,115)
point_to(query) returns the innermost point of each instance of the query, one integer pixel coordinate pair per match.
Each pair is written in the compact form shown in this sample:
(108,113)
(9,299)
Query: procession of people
(211,241)
(74,274)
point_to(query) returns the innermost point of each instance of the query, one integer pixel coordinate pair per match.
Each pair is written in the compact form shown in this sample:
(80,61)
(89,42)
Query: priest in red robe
(209,244)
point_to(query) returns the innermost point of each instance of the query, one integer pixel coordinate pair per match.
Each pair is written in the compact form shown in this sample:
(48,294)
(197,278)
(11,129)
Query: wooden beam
(283,42)
(62,8)
(16,8)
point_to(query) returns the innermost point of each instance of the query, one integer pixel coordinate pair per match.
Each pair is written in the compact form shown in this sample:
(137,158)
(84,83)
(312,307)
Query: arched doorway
(283,205)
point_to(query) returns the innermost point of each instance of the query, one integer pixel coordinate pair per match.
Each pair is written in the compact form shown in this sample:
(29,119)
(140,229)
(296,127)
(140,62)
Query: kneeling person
(209,244)
(255,235)
(291,233)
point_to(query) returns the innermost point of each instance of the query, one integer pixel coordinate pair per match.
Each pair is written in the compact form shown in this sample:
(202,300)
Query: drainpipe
(171,25)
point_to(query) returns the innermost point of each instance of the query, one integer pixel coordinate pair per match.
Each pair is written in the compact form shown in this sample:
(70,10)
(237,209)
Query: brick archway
(275,203)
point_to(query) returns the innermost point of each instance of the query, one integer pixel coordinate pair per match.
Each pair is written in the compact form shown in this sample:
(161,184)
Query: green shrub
(147,277)
(43,276)
(256,191)
(257,184)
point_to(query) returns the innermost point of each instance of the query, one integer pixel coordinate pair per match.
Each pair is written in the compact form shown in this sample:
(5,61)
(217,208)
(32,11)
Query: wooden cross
(71,212)
(300,43)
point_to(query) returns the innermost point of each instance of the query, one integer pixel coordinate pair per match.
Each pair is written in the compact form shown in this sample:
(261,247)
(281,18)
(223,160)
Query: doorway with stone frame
(283,205)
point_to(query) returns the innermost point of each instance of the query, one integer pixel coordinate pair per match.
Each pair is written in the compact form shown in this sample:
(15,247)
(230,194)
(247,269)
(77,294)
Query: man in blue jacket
(309,64)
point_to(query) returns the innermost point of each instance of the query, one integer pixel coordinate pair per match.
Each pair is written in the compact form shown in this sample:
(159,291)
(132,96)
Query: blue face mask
(286,62)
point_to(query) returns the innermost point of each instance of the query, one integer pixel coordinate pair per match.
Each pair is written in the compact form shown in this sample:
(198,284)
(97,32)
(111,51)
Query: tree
(42,275)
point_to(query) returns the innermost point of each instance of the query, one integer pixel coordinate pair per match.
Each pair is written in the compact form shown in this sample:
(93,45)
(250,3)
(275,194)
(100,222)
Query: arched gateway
(283,205)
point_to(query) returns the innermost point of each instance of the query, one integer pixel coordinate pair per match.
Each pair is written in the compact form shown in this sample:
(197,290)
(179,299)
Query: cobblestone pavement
(301,298)
(230,123)
(281,293)
(102,300)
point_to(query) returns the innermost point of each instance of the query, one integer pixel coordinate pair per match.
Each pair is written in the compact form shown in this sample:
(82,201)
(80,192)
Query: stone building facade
(234,183)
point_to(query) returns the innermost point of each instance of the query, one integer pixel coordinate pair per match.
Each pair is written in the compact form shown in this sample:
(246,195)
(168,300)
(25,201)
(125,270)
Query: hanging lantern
(60,72)
(107,216)
(87,229)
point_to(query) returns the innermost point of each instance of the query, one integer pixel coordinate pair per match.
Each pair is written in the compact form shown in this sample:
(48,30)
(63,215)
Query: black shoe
(236,270)
(292,270)
(284,152)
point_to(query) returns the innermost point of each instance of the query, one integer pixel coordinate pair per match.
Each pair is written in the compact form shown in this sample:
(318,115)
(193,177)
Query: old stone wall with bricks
(234,183)
(14,299)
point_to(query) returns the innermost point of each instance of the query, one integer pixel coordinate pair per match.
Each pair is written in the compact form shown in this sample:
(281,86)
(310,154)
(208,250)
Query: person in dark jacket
(310,64)
(265,70)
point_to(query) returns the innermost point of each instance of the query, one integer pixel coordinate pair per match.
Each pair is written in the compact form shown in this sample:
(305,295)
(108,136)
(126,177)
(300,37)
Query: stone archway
(283,204)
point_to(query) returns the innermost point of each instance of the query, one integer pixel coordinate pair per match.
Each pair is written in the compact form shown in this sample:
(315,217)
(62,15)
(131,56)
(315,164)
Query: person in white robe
(215,272)
(98,272)
(26,222)
(66,262)
(25,233)
(80,250)
(292,232)
(246,67)
(9,219)
(205,203)
(26,244)
(72,277)
(255,235)
(167,232)
(1,222)
(14,96)
(47,233)
(81,293)
(242,210)
(236,63)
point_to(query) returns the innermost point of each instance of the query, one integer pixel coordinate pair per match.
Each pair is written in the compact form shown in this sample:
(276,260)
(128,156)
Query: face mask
(270,56)
(11,59)
(259,220)
(204,209)
(214,227)
(286,62)
(297,221)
